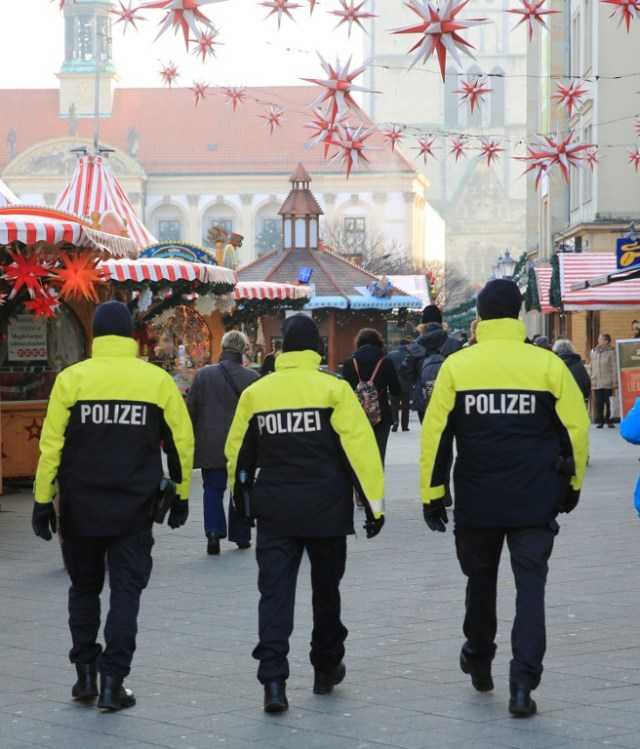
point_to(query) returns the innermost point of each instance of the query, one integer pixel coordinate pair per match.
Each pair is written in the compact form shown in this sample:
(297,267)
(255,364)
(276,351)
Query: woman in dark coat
(565,350)
(369,351)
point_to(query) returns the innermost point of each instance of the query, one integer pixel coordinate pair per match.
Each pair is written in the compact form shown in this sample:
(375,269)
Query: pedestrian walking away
(312,442)
(212,400)
(502,392)
(101,445)
(603,379)
(401,404)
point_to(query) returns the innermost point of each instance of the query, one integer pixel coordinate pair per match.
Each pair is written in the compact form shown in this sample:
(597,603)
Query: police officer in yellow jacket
(521,434)
(101,443)
(307,435)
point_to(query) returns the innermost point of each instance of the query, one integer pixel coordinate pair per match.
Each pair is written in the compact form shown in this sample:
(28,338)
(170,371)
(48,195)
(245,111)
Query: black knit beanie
(431,313)
(300,333)
(499,298)
(112,318)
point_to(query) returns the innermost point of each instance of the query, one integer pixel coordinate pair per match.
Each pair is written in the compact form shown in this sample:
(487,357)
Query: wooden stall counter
(21,424)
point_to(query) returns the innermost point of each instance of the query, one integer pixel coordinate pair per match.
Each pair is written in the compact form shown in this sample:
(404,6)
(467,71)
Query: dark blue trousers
(479,551)
(278,562)
(214,483)
(129,563)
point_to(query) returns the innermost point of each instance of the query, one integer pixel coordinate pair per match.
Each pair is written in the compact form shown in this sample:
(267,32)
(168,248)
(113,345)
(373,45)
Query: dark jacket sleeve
(391,378)
(410,367)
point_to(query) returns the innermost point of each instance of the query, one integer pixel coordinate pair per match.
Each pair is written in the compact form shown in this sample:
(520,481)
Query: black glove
(435,515)
(571,499)
(178,512)
(43,520)
(374,526)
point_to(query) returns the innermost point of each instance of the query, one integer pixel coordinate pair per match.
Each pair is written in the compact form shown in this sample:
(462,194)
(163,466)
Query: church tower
(483,206)
(88,63)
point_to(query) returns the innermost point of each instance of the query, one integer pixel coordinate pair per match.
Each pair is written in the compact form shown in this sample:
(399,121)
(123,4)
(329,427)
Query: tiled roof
(176,137)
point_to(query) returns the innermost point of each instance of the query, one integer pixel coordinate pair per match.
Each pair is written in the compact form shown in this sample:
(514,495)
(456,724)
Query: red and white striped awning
(6,196)
(270,290)
(543,279)
(164,269)
(578,268)
(93,187)
(31,224)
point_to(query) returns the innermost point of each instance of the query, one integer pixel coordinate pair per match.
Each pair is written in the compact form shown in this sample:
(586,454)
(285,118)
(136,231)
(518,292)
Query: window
(354,232)
(496,97)
(576,52)
(168,231)
(451,113)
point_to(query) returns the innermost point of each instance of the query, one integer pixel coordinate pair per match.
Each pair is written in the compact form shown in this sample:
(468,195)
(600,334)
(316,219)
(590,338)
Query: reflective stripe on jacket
(513,409)
(101,440)
(306,432)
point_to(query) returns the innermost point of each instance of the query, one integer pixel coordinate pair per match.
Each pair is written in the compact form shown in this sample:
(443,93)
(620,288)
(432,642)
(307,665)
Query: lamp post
(506,266)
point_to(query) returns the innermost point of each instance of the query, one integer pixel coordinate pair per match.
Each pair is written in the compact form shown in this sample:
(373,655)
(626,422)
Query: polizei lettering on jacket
(285,422)
(499,403)
(113,413)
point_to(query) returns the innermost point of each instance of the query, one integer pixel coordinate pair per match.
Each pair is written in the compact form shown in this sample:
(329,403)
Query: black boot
(325,681)
(275,696)
(213,544)
(113,696)
(480,674)
(86,688)
(521,705)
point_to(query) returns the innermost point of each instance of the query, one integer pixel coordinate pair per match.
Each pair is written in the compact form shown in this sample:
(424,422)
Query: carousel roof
(93,187)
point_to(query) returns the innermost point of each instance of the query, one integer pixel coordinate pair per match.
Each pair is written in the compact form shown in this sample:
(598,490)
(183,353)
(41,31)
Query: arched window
(451,103)
(496,100)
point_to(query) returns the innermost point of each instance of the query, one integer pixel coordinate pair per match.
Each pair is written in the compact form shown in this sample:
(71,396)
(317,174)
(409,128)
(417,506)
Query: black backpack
(428,373)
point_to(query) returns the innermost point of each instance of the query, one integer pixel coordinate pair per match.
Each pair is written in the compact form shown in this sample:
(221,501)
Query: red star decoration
(235,95)
(34,430)
(280,7)
(78,276)
(531,12)
(44,304)
(624,10)
(393,136)
(272,118)
(205,43)
(324,129)
(457,147)
(473,92)
(351,144)
(424,148)
(569,95)
(490,148)
(634,157)
(350,14)
(25,271)
(312,5)
(591,158)
(439,29)
(127,16)
(338,88)
(169,73)
(200,91)
(183,15)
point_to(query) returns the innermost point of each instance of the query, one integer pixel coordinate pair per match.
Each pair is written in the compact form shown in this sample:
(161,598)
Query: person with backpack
(372,376)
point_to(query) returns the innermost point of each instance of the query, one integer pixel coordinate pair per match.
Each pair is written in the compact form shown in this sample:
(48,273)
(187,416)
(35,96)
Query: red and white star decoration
(424,148)
(591,158)
(25,270)
(281,7)
(205,43)
(44,304)
(324,130)
(350,13)
(273,116)
(169,73)
(350,143)
(235,95)
(439,29)
(338,88)
(458,146)
(200,91)
(552,150)
(625,10)
(634,157)
(472,92)
(127,15)
(490,149)
(393,136)
(530,12)
(182,15)
(569,95)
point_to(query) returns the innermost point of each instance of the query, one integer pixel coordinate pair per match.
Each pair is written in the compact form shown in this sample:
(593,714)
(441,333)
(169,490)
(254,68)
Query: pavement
(403,598)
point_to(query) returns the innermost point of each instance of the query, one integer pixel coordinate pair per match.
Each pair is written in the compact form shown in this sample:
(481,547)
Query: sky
(251,52)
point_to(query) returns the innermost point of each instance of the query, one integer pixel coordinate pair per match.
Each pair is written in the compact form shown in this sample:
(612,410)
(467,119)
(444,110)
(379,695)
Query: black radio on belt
(162,502)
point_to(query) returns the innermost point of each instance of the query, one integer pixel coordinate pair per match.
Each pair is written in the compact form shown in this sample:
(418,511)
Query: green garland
(555,293)
(531,294)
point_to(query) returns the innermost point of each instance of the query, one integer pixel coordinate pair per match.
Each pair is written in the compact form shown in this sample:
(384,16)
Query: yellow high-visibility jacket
(308,435)
(101,440)
(515,411)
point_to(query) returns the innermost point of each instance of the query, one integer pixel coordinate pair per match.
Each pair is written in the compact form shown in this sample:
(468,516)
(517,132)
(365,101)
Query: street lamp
(506,266)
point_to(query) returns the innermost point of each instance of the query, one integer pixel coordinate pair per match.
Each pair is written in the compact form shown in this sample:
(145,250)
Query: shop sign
(27,339)
(627,253)
(628,358)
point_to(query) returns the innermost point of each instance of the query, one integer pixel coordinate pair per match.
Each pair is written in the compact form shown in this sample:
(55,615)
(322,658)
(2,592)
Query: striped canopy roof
(576,268)
(164,269)
(93,187)
(270,290)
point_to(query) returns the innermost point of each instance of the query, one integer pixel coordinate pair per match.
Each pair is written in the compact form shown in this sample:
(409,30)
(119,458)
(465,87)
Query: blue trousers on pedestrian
(128,559)
(214,482)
